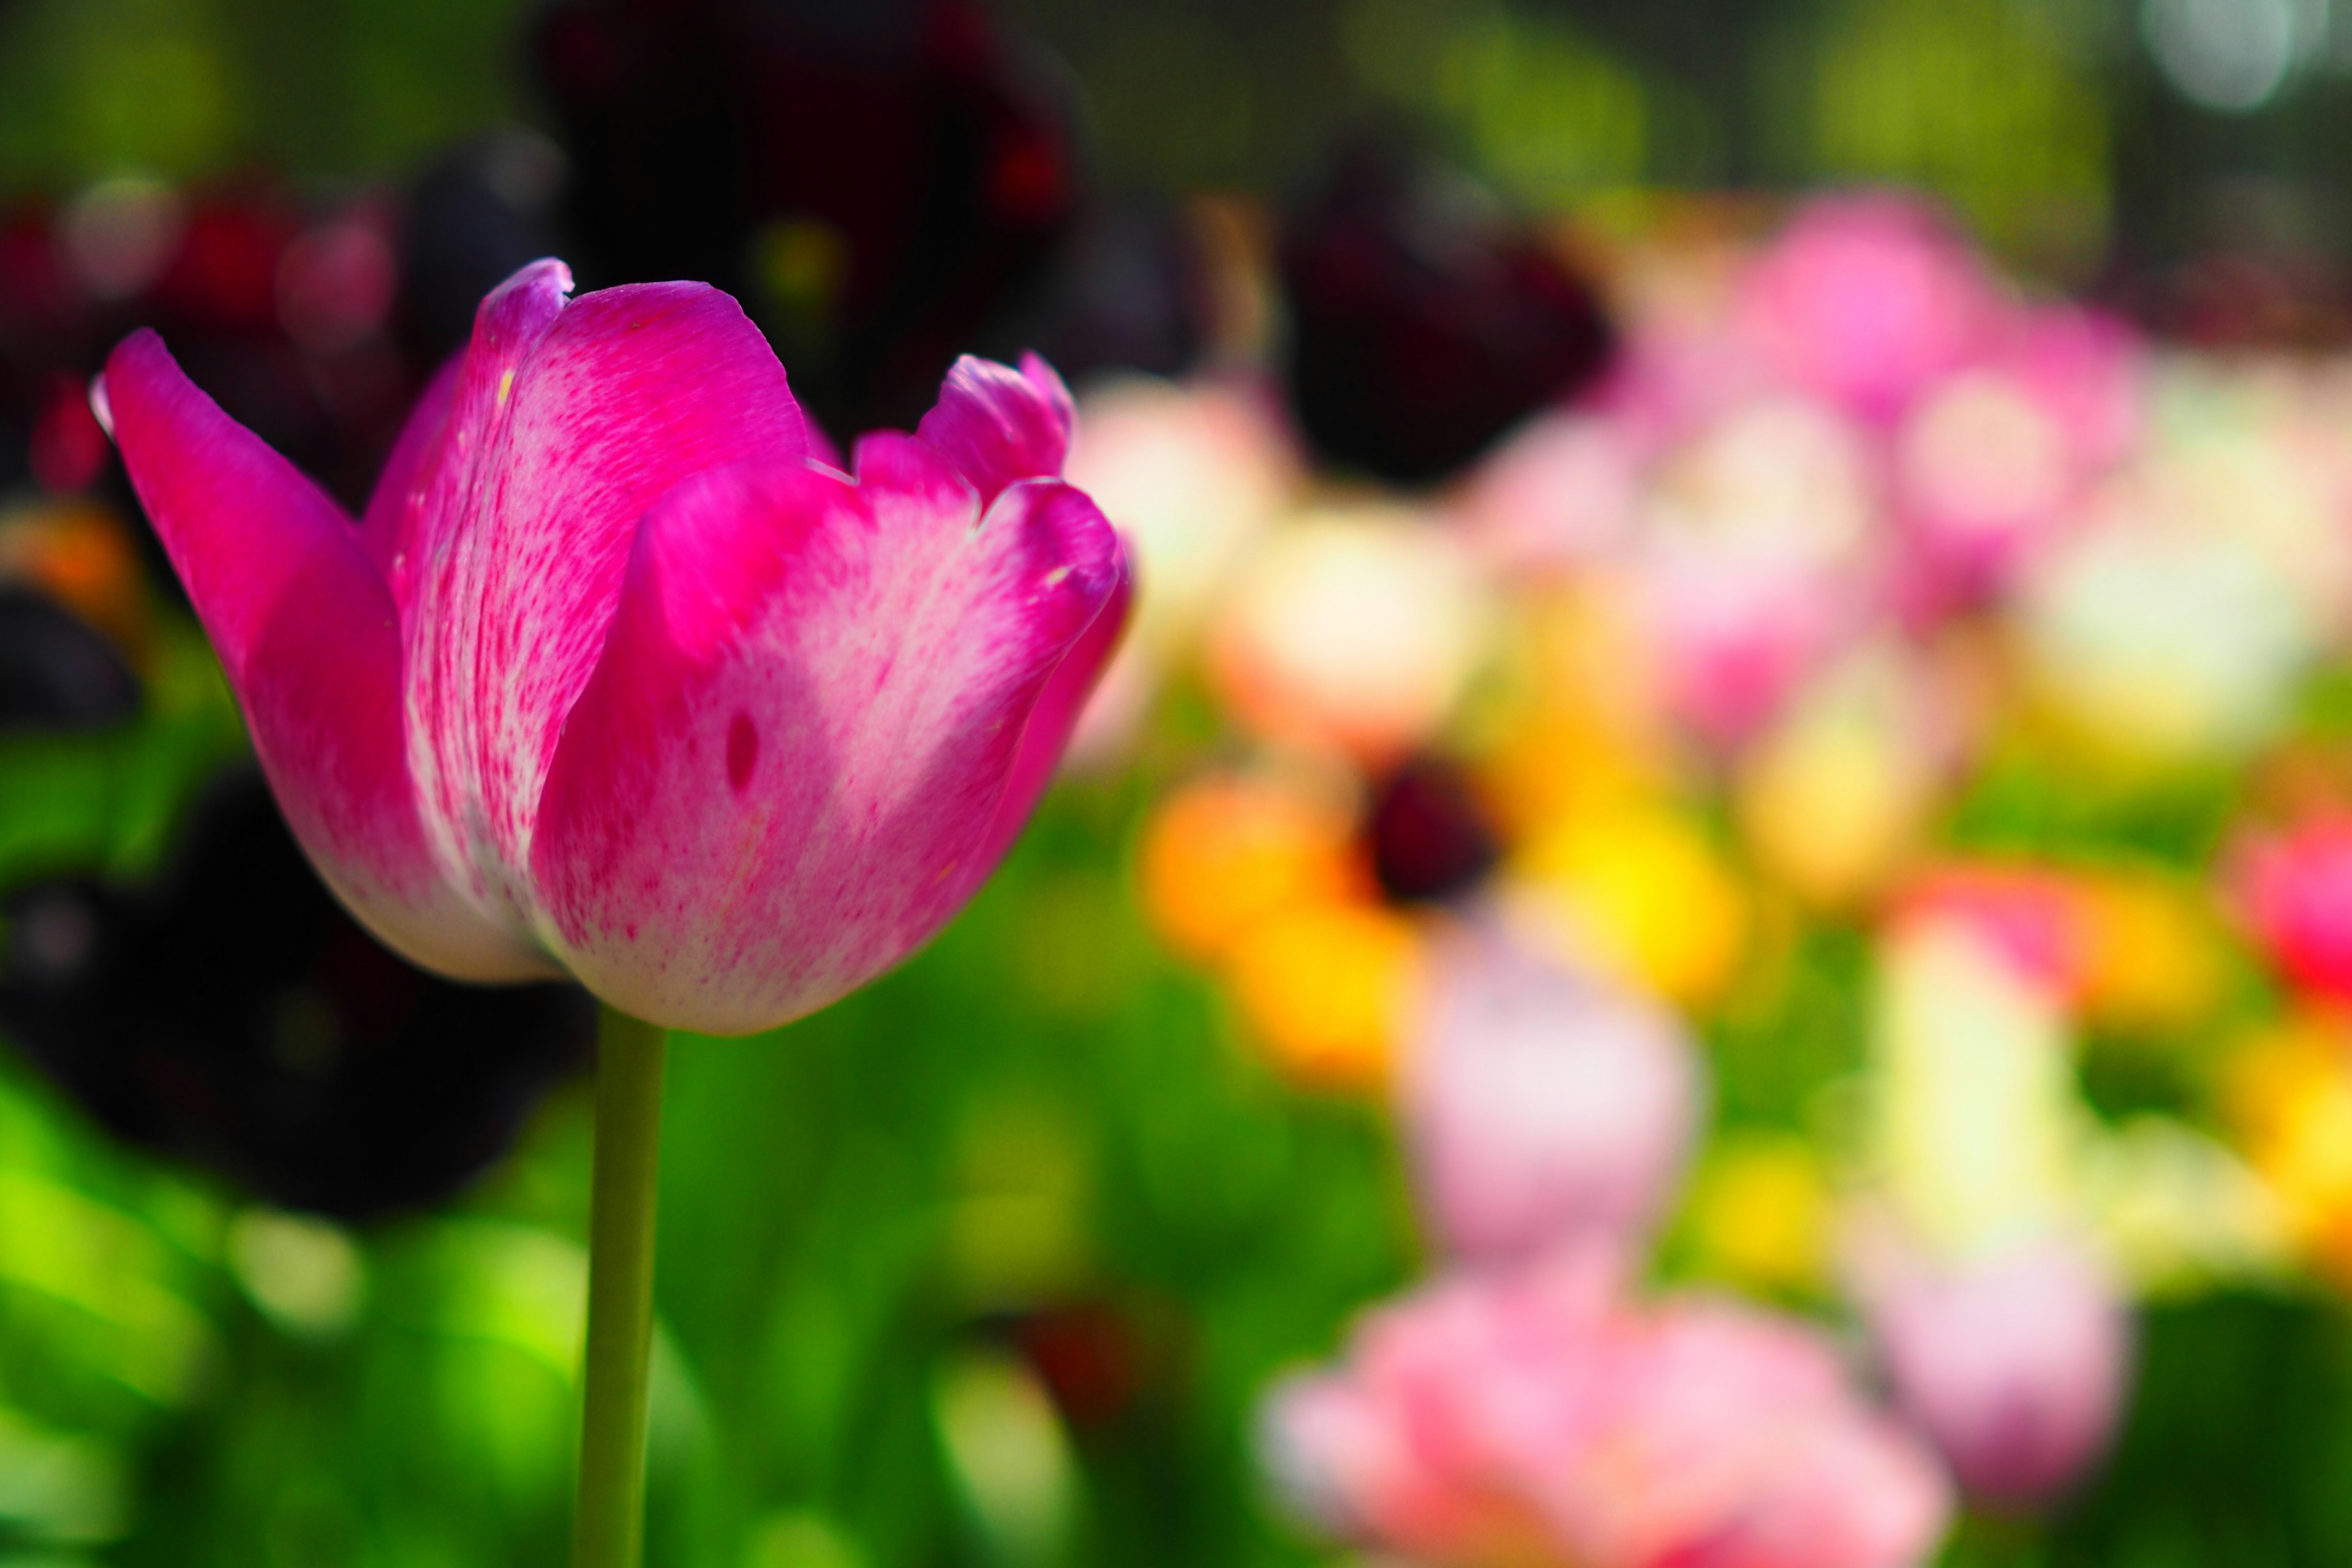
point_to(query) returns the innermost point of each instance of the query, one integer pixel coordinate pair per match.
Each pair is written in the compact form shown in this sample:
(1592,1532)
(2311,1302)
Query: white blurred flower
(1976,1128)
(1353,629)
(1189,473)
(2165,645)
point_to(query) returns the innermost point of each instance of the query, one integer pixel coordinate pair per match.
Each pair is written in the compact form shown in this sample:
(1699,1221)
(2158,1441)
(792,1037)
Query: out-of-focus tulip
(2029,917)
(1983,470)
(1990,464)
(1353,629)
(1837,796)
(1425,324)
(1542,1419)
(1760,1212)
(2163,647)
(611,680)
(2237,458)
(2153,958)
(1754,560)
(2015,1363)
(1976,1128)
(231,1015)
(1580,728)
(1563,492)
(82,555)
(2287,1093)
(2176,1212)
(1641,896)
(1868,299)
(1428,833)
(1222,854)
(1541,1107)
(1189,475)
(1327,989)
(2294,890)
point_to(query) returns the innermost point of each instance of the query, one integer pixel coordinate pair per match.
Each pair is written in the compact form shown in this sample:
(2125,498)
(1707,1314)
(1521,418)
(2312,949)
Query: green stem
(608,1523)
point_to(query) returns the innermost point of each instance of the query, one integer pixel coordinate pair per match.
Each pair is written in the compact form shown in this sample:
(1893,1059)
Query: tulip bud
(2015,1363)
(1540,1108)
(1545,1417)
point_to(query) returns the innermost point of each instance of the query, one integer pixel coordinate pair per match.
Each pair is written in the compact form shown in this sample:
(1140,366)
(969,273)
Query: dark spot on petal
(743,750)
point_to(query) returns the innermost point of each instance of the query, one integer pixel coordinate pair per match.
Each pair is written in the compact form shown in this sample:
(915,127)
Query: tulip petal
(390,521)
(999,425)
(308,637)
(1047,734)
(567,422)
(802,726)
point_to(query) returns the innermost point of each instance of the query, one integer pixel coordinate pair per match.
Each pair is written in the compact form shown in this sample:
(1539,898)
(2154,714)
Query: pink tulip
(1541,1108)
(1541,1419)
(610,679)
(2014,1364)
(2294,891)
(1867,300)
(1993,464)
(2030,916)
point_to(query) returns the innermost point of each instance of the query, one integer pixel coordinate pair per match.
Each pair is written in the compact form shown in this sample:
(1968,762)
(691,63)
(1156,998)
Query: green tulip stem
(608,1525)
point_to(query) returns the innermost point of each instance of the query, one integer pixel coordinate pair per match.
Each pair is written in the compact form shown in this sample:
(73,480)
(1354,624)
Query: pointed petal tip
(1000,426)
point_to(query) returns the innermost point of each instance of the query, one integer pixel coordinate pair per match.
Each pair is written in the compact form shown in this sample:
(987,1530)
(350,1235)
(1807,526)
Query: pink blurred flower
(1756,559)
(2031,917)
(1558,495)
(610,679)
(2293,890)
(2016,1364)
(1990,463)
(1522,1419)
(1868,299)
(1540,1108)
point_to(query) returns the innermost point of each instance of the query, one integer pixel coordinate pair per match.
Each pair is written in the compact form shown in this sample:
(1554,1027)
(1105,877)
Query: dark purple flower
(232,1015)
(1423,323)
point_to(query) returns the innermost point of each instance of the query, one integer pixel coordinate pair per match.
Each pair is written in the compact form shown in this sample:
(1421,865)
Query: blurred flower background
(1707,919)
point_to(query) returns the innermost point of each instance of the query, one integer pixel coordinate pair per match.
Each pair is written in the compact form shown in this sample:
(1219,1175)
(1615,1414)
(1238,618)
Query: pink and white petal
(309,639)
(558,444)
(998,426)
(801,729)
(1047,734)
(398,499)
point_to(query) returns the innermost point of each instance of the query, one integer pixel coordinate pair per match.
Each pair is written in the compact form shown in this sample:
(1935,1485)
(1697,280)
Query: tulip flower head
(612,680)
(1542,1109)
(1539,1418)
(2295,893)
(2015,1363)
(1867,300)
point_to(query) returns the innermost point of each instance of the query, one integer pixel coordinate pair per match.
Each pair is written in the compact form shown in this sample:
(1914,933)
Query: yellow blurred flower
(2287,1093)
(1640,894)
(1761,1212)
(2154,961)
(1836,799)
(1578,730)
(1326,990)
